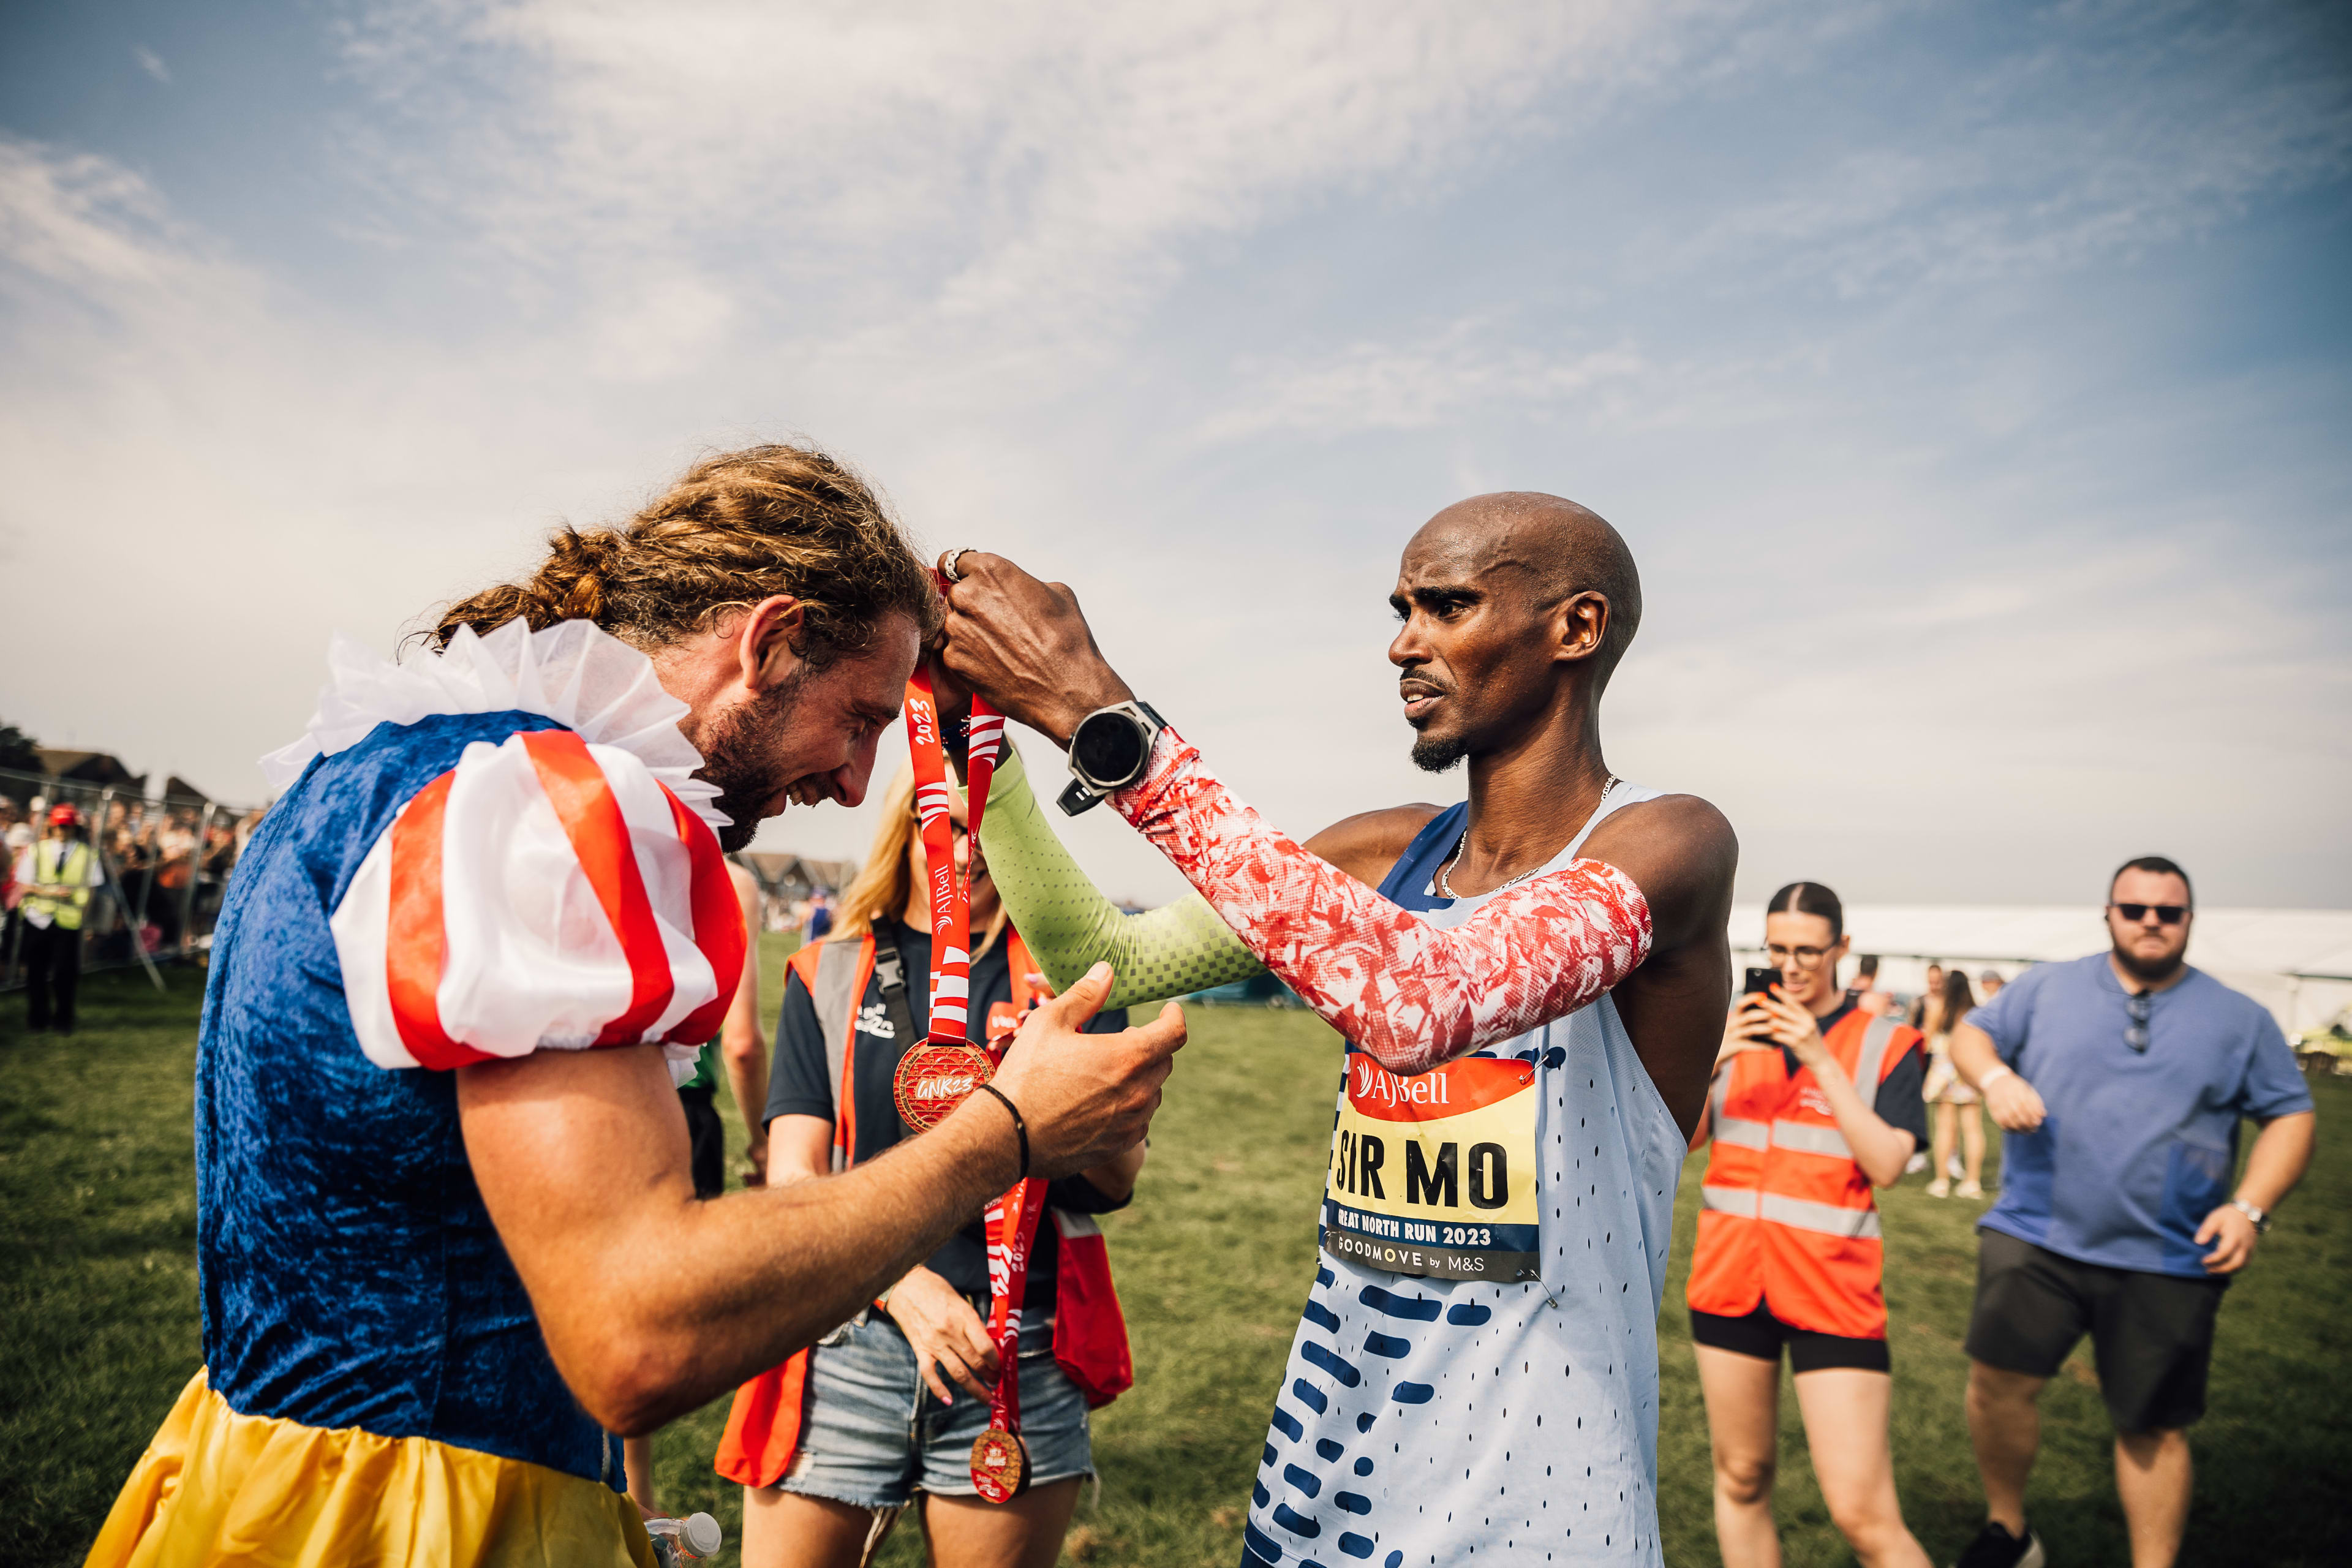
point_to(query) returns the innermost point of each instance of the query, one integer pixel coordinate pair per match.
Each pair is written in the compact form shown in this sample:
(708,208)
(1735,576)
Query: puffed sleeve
(543,894)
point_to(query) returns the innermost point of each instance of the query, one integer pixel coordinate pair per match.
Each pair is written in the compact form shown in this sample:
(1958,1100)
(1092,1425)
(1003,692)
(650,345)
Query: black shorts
(707,1140)
(2151,1334)
(1761,1335)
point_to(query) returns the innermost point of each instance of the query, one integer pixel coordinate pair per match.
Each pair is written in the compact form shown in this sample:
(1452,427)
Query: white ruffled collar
(573,672)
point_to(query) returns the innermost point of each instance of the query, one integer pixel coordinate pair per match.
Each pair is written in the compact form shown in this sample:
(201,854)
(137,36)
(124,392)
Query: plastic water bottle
(687,1540)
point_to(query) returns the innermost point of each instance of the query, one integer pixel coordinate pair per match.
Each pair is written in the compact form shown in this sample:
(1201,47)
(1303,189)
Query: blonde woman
(1954,1103)
(833,1445)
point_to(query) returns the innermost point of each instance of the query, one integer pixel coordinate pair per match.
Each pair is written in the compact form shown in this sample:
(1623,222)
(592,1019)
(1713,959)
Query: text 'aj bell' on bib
(1435,1175)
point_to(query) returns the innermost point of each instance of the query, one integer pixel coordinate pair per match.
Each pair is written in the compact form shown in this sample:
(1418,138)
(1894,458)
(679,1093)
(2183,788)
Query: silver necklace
(1445,887)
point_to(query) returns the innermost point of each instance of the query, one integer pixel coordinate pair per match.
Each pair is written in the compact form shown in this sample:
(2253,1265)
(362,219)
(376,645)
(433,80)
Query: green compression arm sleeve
(1069,926)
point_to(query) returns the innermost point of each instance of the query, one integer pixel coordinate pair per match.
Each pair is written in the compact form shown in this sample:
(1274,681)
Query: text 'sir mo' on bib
(1435,1175)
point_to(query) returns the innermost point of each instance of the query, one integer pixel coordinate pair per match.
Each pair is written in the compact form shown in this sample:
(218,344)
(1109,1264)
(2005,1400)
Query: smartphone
(1761,979)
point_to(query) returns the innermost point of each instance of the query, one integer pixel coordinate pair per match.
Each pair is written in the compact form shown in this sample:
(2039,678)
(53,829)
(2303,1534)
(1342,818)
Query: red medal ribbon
(1000,1460)
(935,1076)
(950,895)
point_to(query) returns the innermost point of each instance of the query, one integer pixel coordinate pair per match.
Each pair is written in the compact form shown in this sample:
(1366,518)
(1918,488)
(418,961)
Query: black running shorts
(1761,1335)
(2151,1334)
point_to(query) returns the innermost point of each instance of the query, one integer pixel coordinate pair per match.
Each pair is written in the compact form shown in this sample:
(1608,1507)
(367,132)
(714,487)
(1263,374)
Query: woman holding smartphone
(1814,1104)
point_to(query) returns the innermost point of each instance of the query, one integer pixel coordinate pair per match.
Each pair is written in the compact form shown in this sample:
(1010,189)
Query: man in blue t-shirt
(2119,1081)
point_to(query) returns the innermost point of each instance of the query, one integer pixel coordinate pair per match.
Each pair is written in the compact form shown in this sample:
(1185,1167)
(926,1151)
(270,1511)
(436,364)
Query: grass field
(97,1321)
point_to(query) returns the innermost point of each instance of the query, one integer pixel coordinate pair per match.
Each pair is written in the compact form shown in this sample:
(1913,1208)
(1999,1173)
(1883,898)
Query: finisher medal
(939,1074)
(934,1078)
(1000,1465)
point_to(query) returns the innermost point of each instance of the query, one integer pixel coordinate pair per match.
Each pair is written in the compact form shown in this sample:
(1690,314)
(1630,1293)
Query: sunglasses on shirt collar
(2166,914)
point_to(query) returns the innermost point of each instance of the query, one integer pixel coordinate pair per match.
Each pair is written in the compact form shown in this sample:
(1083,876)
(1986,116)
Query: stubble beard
(735,753)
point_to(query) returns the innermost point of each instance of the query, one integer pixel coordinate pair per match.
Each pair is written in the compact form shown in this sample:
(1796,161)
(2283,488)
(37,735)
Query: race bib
(1435,1175)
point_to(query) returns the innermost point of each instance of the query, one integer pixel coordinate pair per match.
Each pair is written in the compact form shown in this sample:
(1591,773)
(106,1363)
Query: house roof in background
(774,866)
(87,767)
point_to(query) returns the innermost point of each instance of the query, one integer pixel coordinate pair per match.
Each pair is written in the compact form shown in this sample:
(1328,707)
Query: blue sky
(1972,380)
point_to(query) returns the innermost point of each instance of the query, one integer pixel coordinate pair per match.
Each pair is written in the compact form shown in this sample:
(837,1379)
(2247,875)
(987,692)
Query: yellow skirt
(216,1488)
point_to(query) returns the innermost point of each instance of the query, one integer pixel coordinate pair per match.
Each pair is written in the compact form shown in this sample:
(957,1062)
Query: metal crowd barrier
(166,864)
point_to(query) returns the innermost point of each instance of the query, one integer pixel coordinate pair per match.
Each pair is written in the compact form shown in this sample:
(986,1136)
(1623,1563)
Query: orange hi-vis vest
(1090,1344)
(1786,1216)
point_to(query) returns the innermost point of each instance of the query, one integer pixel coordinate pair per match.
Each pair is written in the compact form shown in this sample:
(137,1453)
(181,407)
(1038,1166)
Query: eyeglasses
(2166,914)
(1803,957)
(2139,1005)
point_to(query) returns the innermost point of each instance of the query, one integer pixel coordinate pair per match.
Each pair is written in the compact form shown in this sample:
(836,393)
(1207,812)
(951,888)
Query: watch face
(1108,749)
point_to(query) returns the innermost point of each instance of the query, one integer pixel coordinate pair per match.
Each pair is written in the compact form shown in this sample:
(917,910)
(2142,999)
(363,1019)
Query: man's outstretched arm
(1411,994)
(1068,924)
(653,1304)
(1408,993)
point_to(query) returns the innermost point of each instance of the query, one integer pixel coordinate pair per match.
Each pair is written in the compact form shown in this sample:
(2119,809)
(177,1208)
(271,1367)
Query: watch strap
(1082,794)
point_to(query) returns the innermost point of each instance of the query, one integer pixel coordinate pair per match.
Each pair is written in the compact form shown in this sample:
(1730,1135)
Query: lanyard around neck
(950,894)
(937,1075)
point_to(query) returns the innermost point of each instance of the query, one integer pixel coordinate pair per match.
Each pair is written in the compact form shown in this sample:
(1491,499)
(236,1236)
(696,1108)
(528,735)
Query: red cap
(64,817)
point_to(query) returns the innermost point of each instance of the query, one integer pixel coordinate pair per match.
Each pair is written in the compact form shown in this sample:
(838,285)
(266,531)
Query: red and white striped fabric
(563,889)
(544,893)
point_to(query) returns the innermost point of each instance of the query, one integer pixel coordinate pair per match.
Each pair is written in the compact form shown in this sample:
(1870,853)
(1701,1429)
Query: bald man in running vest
(1531,985)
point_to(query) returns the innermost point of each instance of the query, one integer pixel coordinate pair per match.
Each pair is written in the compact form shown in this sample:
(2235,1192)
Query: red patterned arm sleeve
(1412,994)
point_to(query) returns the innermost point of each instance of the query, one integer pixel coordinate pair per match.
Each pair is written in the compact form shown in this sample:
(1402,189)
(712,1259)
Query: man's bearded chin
(739,757)
(1436,753)
(2150,968)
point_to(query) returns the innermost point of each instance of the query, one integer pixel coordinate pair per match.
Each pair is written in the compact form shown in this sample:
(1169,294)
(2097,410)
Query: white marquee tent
(2297,963)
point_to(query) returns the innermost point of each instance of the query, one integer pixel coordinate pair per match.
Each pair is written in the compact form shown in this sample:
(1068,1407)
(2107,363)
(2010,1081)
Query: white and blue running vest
(1426,1420)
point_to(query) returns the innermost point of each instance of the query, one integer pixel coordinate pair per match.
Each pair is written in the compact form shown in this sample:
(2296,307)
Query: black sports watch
(1108,751)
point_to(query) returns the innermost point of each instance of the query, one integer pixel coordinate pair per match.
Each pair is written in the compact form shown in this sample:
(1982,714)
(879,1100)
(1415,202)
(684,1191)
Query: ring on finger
(948,563)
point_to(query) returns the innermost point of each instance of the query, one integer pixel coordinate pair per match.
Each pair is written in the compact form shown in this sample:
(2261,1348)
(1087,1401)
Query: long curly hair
(735,528)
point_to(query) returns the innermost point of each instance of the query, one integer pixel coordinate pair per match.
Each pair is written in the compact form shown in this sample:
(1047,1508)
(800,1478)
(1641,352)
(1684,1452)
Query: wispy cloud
(152,64)
(2023,171)
(1370,387)
(1001,183)
(1204,307)
(86,223)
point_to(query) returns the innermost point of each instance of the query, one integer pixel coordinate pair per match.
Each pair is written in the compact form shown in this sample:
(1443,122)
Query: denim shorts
(874,1433)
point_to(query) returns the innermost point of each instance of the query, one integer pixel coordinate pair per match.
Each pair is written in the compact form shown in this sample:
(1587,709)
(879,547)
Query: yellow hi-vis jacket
(58,889)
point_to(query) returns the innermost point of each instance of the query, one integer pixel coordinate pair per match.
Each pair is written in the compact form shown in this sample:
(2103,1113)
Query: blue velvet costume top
(351,1273)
